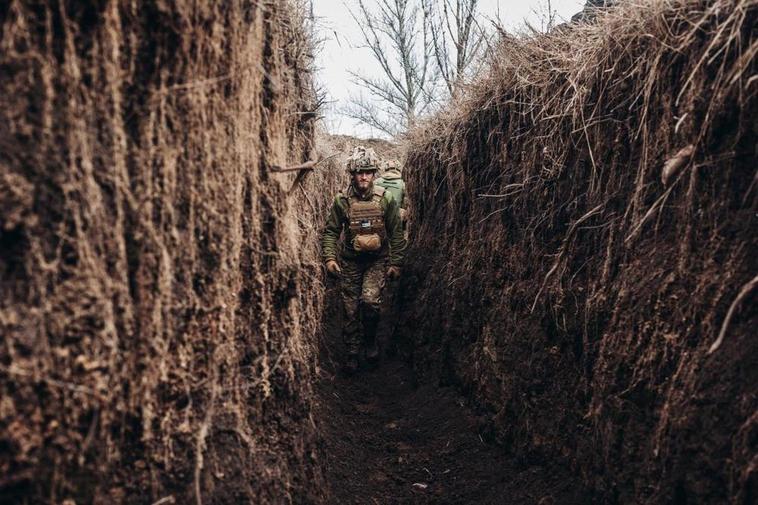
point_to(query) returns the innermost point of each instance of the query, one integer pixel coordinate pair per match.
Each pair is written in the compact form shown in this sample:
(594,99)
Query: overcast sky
(341,49)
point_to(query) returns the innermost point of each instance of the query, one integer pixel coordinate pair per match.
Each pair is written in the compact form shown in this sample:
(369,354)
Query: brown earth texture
(576,320)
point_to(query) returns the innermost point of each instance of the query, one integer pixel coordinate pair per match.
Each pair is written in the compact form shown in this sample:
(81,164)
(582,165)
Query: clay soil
(388,439)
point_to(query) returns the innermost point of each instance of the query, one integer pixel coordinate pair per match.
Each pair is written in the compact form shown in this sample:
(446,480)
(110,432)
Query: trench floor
(388,440)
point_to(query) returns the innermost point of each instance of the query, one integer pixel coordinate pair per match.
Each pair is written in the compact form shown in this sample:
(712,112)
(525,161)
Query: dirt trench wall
(575,294)
(157,278)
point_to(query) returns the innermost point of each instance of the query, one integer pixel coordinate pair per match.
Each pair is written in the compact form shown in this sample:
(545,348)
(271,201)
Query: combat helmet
(391,164)
(362,160)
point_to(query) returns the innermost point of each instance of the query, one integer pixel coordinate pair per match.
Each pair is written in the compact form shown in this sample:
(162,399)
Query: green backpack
(395,186)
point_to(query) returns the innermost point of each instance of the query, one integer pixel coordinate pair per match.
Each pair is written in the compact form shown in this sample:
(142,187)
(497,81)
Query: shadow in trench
(387,439)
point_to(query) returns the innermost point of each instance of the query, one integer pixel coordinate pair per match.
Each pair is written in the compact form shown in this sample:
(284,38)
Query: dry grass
(581,292)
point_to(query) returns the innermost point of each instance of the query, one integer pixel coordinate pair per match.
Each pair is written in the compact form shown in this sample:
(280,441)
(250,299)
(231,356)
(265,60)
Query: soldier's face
(362,180)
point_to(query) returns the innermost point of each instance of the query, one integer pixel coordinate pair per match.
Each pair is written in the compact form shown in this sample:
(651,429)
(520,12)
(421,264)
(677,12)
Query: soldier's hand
(333,268)
(393,273)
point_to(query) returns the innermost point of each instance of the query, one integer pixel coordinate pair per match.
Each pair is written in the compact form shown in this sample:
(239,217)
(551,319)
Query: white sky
(341,49)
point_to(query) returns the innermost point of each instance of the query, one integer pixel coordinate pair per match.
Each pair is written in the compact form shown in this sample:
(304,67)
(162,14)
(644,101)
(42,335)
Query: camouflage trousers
(362,284)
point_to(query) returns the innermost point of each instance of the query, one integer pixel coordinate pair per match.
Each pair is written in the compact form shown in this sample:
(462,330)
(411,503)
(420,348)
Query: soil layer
(583,260)
(158,274)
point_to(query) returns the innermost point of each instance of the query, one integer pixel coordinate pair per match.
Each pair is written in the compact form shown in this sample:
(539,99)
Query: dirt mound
(158,281)
(583,259)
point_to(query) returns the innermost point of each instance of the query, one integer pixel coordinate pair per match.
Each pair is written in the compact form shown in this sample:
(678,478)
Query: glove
(333,268)
(393,273)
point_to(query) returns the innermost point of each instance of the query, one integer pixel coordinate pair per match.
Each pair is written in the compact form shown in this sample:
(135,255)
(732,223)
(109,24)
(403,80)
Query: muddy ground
(389,439)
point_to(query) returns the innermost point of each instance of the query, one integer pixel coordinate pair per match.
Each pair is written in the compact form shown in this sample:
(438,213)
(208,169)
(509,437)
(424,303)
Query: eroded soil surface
(388,440)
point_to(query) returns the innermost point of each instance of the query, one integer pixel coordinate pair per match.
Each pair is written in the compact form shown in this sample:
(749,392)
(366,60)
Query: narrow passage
(388,440)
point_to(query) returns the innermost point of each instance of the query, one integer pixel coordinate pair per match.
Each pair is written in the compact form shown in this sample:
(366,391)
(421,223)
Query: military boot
(370,325)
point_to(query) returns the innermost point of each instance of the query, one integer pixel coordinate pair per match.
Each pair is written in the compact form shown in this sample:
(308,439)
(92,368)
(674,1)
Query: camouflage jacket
(337,224)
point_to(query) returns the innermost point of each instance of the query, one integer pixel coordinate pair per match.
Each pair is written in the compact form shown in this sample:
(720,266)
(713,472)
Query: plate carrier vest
(366,221)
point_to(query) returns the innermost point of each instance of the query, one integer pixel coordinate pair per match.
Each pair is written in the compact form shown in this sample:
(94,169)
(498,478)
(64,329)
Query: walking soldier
(373,248)
(392,180)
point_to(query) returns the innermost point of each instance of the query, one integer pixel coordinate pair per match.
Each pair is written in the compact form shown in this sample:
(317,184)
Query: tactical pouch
(367,243)
(367,225)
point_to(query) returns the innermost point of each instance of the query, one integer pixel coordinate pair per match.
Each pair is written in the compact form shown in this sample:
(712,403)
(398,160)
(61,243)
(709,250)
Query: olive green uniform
(363,272)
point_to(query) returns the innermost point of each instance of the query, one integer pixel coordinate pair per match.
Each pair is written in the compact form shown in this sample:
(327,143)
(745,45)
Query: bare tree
(397,35)
(547,16)
(457,39)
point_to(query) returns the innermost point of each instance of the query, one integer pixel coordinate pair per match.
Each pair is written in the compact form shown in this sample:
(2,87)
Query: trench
(390,437)
(580,290)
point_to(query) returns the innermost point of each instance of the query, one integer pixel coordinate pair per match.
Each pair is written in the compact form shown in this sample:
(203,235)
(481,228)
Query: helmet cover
(363,160)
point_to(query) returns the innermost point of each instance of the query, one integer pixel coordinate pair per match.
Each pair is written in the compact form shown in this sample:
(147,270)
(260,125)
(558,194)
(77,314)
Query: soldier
(372,251)
(392,181)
